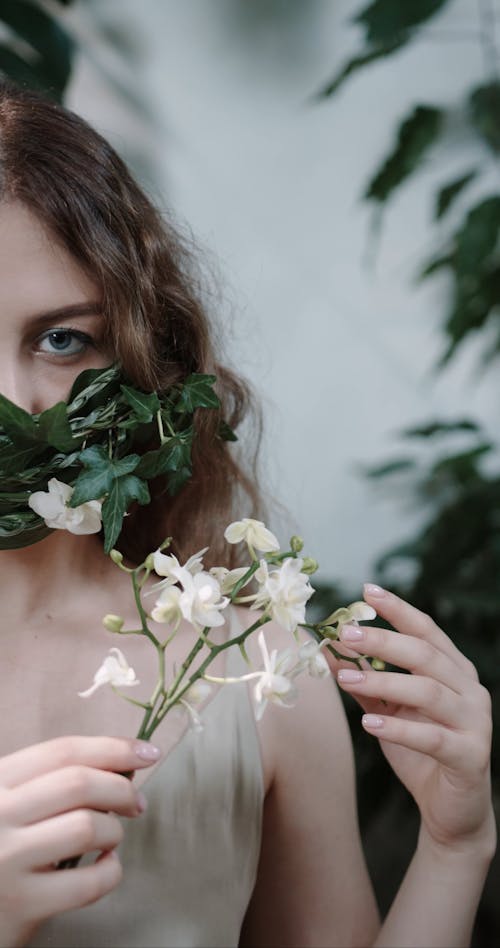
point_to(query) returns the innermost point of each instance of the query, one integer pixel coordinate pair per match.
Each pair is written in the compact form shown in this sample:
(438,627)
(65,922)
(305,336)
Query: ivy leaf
(171,456)
(484,108)
(124,492)
(415,136)
(386,20)
(197,392)
(177,479)
(55,429)
(448,194)
(100,474)
(144,405)
(17,423)
(226,433)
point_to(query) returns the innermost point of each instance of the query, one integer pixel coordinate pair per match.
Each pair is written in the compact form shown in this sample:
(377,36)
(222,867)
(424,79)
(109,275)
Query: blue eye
(66,342)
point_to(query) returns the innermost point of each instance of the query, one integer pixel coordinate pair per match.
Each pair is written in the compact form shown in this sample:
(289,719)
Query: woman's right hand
(59,799)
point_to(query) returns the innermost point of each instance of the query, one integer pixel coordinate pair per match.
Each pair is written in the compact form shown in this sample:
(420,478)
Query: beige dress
(190,860)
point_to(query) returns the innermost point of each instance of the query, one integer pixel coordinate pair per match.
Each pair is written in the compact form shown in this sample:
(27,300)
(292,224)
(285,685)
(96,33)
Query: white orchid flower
(168,565)
(283,592)
(201,601)
(311,660)
(355,613)
(114,671)
(254,533)
(167,607)
(52,506)
(227,578)
(273,684)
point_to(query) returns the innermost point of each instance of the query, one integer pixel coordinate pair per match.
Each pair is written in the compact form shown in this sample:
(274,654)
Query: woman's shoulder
(312,728)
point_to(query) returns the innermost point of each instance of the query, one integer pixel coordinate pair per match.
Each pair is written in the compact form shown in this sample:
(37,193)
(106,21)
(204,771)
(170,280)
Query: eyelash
(82,337)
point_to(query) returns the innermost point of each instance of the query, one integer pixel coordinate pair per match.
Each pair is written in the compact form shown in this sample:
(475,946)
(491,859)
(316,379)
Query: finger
(66,835)
(405,651)
(434,700)
(63,890)
(445,746)
(104,753)
(412,621)
(69,789)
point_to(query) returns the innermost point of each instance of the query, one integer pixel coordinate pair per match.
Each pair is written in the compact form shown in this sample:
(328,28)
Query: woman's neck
(53,573)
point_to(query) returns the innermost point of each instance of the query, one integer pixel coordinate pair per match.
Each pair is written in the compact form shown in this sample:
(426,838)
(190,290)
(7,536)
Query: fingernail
(142,803)
(350,675)
(352,633)
(371,589)
(147,751)
(372,720)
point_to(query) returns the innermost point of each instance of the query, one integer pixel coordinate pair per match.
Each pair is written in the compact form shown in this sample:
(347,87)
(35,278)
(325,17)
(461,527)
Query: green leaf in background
(100,475)
(356,63)
(386,20)
(432,428)
(415,136)
(390,467)
(124,491)
(447,194)
(437,263)
(477,239)
(484,106)
(197,392)
(145,405)
(50,65)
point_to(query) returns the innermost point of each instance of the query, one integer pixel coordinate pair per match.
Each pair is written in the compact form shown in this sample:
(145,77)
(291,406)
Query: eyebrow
(73,311)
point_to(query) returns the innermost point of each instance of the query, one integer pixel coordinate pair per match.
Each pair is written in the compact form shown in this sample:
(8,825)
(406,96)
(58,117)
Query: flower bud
(116,556)
(329,632)
(149,562)
(296,545)
(113,623)
(309,566)
(377,664)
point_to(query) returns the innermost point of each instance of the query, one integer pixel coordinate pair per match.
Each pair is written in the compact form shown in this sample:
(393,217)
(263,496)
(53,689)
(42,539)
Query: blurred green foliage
(37,51)
(450,469)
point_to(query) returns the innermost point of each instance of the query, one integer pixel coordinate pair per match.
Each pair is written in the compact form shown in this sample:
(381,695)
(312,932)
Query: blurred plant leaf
(415,136)
(484,106)
(447,194)
(53,47)
(477,239)
(437,263)
(356,63)
(390,467)
(387,20)
(432,428)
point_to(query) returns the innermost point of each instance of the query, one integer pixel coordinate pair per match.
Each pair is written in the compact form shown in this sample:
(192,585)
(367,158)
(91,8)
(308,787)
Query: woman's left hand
(434,725)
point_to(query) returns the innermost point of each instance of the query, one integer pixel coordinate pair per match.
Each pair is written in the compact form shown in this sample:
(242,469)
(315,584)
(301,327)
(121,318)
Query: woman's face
(51,327)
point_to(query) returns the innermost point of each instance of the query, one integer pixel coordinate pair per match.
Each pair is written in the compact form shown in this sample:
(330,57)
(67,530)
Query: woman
(249,829)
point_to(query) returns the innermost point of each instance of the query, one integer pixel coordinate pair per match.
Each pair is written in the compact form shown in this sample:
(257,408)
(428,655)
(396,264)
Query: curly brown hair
(157,327)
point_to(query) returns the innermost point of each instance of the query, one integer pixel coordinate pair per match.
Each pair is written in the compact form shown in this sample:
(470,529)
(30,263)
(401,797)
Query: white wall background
(271,185)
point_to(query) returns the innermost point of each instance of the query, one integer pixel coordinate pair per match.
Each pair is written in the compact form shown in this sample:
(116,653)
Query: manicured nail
(350,675)
(147,751)
(372,721)
(352,633)
(371,589)
(142,803)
